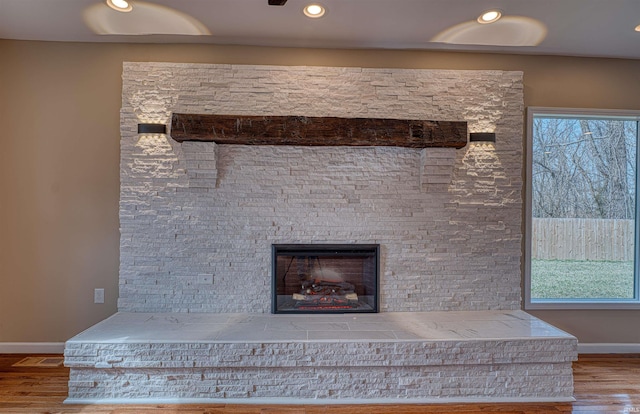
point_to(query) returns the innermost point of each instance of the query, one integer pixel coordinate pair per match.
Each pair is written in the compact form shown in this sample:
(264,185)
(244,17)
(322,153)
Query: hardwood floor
(603,384)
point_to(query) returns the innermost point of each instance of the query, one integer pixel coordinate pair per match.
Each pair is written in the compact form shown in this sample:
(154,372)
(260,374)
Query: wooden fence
(582,239)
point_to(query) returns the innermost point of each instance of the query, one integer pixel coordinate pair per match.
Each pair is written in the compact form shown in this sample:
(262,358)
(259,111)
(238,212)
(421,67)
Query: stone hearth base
(373,358)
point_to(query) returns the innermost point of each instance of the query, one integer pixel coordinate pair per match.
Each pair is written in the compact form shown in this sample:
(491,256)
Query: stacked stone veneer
(417,371)
(198,219)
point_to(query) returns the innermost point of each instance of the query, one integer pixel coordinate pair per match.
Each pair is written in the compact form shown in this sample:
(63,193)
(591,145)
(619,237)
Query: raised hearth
(258,358)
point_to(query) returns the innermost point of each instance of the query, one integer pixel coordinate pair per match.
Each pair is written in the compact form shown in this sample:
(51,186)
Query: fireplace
(197,220)
(325,278)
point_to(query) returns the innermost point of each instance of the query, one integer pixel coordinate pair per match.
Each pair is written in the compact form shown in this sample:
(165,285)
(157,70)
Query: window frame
(633,303)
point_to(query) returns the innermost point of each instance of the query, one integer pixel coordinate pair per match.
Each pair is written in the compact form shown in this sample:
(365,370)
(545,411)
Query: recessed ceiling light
(638,28)
(120,5)
(314,10)
(489,16)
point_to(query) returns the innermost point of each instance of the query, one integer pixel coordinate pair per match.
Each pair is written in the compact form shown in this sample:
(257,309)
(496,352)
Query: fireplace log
(318,131)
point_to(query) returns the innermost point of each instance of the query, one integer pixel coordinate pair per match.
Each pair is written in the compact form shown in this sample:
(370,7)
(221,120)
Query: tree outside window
(582,245)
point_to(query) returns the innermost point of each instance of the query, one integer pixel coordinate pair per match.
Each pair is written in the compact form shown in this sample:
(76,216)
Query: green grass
(578,279)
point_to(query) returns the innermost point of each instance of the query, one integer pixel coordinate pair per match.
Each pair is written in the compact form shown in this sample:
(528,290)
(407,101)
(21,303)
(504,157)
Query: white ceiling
(603,28)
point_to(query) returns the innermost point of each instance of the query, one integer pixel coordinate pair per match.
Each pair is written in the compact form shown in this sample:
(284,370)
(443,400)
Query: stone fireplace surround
(198,219)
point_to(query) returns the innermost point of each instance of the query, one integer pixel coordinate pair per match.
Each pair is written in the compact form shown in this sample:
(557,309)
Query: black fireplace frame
(325,250)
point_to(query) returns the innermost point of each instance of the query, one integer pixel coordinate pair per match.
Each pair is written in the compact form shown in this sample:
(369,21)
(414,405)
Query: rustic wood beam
(317,131)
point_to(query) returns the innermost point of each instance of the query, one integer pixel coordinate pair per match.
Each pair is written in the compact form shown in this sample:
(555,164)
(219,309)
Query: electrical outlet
(98,296)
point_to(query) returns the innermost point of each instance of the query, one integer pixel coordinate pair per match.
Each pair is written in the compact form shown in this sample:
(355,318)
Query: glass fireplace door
(321,278)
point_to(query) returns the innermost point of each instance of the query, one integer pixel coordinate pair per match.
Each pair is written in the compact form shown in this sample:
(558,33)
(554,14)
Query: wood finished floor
(603,384)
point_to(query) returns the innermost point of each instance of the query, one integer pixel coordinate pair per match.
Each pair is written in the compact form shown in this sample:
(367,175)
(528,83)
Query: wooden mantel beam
(317,131)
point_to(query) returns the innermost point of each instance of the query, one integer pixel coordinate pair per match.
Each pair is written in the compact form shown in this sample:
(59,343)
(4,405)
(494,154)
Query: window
(582,233)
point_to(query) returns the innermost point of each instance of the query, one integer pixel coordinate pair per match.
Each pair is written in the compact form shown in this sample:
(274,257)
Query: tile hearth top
(266,328)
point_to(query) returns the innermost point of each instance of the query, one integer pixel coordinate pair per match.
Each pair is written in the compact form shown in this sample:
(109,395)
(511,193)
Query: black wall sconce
(482,137)
(152,129)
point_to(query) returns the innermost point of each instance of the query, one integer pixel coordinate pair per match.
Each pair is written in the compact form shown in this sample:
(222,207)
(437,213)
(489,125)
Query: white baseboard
(604,348)
(31,347)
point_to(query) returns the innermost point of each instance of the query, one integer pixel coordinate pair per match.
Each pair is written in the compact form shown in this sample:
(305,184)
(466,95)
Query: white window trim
(575,303)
